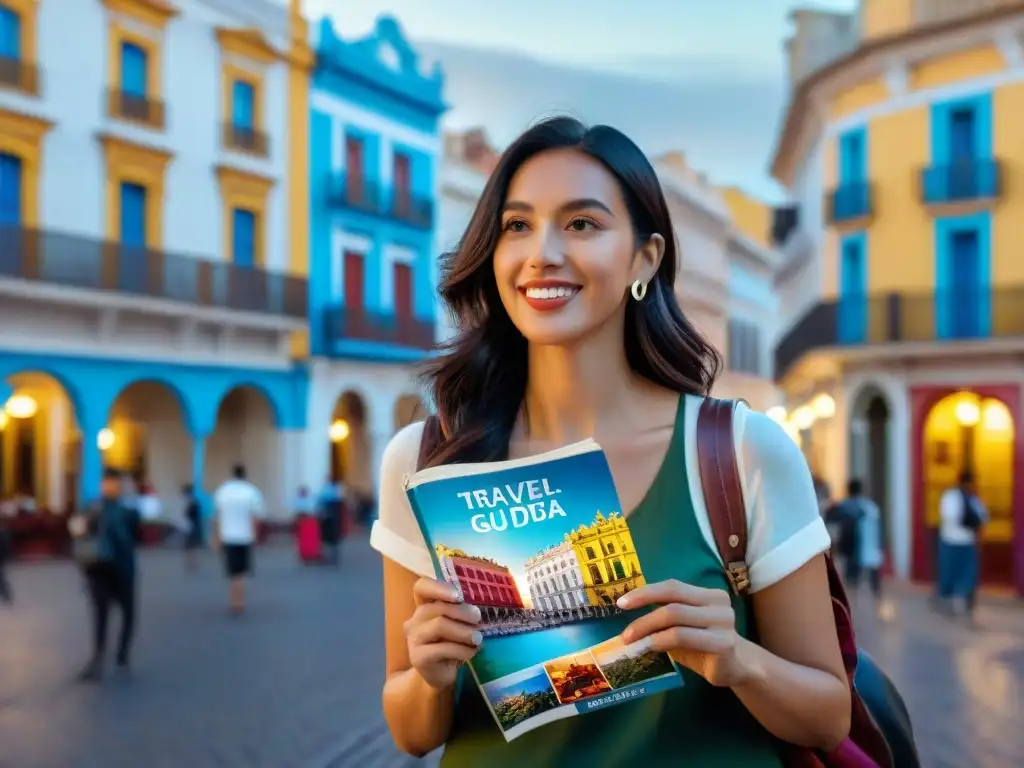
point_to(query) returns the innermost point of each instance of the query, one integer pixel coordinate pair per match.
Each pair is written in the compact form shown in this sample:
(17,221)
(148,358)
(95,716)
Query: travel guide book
(540,547)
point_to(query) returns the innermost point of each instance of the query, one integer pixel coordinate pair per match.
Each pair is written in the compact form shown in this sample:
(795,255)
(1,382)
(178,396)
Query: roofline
(796,111)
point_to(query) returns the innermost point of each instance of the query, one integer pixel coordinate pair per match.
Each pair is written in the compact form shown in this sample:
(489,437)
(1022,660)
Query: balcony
(849,203)
(958,314)
(355,194)
(964,181)
(343,323)
(19,75)
(412,210)
(242,139)
(136,108)
(71,261)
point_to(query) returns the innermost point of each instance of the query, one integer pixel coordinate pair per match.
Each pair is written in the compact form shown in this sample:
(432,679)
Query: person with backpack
(569,328)
(962,516)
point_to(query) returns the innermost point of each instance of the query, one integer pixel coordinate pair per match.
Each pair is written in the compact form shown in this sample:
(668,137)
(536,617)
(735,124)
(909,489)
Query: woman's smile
(548,295)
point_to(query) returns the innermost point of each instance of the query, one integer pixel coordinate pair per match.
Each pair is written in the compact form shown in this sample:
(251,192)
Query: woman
(569,328)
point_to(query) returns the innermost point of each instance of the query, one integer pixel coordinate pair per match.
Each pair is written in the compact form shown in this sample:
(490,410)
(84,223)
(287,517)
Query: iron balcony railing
(244,139)
(355,323)
(79,262)
(962,313)
(137,108)
(961,181)
(366,196)
(413,210)
(20,75)
(849,202)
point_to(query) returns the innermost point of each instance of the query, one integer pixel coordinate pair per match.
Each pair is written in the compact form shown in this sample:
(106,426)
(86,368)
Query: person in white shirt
(961,516)
(238,506)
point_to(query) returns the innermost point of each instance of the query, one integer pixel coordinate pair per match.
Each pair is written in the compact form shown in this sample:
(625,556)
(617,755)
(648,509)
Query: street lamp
(21,407)
(339,431)
(105,439)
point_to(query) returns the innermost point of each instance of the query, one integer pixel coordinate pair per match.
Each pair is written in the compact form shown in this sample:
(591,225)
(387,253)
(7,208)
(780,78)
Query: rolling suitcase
(308,535)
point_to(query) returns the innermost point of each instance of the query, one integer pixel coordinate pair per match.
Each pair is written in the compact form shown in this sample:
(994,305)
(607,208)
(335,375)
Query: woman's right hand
(441,632)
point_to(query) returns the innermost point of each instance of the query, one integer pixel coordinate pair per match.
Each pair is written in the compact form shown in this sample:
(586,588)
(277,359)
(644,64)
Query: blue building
(375,147)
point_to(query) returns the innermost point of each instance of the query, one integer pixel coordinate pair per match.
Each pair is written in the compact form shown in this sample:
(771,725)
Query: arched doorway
(246,434)
(966,431)
(870,454)
(147,436)
(409,409)
(350,447)
(40,444)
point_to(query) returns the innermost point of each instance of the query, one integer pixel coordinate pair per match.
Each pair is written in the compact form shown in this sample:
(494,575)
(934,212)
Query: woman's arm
(794,682)
(418,715)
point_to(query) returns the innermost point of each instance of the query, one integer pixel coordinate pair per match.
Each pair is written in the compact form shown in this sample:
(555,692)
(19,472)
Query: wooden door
(402,184)
(355,287)
(403,293)
(354,169)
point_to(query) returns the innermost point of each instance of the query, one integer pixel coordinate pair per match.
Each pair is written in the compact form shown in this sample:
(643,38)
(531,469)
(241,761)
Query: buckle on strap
(739,577)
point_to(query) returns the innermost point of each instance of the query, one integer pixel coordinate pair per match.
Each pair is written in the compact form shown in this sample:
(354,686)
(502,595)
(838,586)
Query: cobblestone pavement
(296,682)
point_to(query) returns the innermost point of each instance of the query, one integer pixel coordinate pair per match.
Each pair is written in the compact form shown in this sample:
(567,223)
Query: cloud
(723,118)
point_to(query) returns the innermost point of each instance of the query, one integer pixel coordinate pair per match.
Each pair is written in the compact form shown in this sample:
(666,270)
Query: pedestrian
(238,507)
(864,549)
(329,509)
(6,554)
(962,516)
(194,527)
(106,537)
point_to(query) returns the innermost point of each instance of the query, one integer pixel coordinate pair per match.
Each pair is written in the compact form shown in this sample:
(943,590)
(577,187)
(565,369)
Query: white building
(555,579)
(147,306)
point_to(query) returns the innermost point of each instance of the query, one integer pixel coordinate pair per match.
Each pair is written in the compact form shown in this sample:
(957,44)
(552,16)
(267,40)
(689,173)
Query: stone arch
(869,450)
(181,396)
(351,452)
(269,398)
(41,452)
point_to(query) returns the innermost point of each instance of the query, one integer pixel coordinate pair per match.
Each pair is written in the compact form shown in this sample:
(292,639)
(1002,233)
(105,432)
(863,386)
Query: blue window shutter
(134,69)
(243,227)
(853,293)
(10,189)
(243,98)
(133,215)
(10,34)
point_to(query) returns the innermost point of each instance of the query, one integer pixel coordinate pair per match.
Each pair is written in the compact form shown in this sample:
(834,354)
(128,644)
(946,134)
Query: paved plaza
(296,682)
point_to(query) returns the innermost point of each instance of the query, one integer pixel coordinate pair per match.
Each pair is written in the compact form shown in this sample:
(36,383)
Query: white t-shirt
(951,510)
(238,504)
(785,529)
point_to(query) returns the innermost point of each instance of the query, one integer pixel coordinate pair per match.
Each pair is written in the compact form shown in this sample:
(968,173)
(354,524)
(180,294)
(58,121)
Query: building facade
(607,559)
(555,579)
(900,359)
(151,280)
(483,582)
(375,146)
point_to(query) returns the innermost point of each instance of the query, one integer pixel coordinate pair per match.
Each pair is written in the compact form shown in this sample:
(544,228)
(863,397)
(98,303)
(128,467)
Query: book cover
(539,545)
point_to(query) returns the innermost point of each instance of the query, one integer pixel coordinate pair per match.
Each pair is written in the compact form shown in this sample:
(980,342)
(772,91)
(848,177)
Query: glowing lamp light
(968,413)
(21,407)
(105,439)
(4,418)
(803,417)
(339,431)
(777,414)
(824,406)
(996,417)
(794,433)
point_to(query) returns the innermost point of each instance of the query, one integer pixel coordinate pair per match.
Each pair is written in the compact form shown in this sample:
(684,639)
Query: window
(10,34)
(355,159)
(403,293)
(133,214)
(402,185)
(134,70)
(245,56)
(10,189)
(243,101)
(744,347)
(244,230)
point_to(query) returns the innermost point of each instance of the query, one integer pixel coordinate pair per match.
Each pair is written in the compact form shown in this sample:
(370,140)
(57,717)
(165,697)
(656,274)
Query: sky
(705,77)
(583,493)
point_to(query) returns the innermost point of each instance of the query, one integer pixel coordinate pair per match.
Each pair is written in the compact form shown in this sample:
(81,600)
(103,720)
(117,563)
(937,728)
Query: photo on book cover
(540,547)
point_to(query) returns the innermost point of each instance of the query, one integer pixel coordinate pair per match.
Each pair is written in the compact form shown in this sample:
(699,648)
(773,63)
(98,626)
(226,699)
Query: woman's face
(567,254)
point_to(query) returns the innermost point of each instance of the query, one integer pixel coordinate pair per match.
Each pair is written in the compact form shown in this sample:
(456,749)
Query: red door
(402,180)
(354,169)
(403,303)
(355,295)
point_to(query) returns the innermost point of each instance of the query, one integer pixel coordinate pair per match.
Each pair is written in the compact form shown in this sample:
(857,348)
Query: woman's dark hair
(479,381)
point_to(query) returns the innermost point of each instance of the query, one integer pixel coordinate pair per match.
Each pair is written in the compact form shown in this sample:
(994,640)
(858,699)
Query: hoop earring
(638,289)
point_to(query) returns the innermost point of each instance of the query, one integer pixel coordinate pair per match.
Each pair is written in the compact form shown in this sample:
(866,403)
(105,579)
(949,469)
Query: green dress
(696,725)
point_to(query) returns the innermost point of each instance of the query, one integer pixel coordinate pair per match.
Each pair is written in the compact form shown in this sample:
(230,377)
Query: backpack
(881,735)
(969,518)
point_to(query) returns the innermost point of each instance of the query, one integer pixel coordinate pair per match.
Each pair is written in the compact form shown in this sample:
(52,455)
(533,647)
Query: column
(57,428)
(295,470)
(91,467)
(198,471)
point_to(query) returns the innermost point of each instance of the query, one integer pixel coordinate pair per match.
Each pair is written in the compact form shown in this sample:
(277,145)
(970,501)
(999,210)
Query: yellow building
(607,559)
(902,149)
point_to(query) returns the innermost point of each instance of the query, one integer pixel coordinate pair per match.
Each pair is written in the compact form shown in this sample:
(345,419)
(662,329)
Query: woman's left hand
(694,625)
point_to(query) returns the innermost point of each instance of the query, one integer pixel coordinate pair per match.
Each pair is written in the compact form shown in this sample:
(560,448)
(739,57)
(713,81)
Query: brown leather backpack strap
(723,493)
(429,441)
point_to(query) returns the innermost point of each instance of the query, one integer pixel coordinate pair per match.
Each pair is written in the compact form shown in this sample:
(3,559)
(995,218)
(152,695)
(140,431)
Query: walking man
(238,506)
(962,516)
(106,538)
